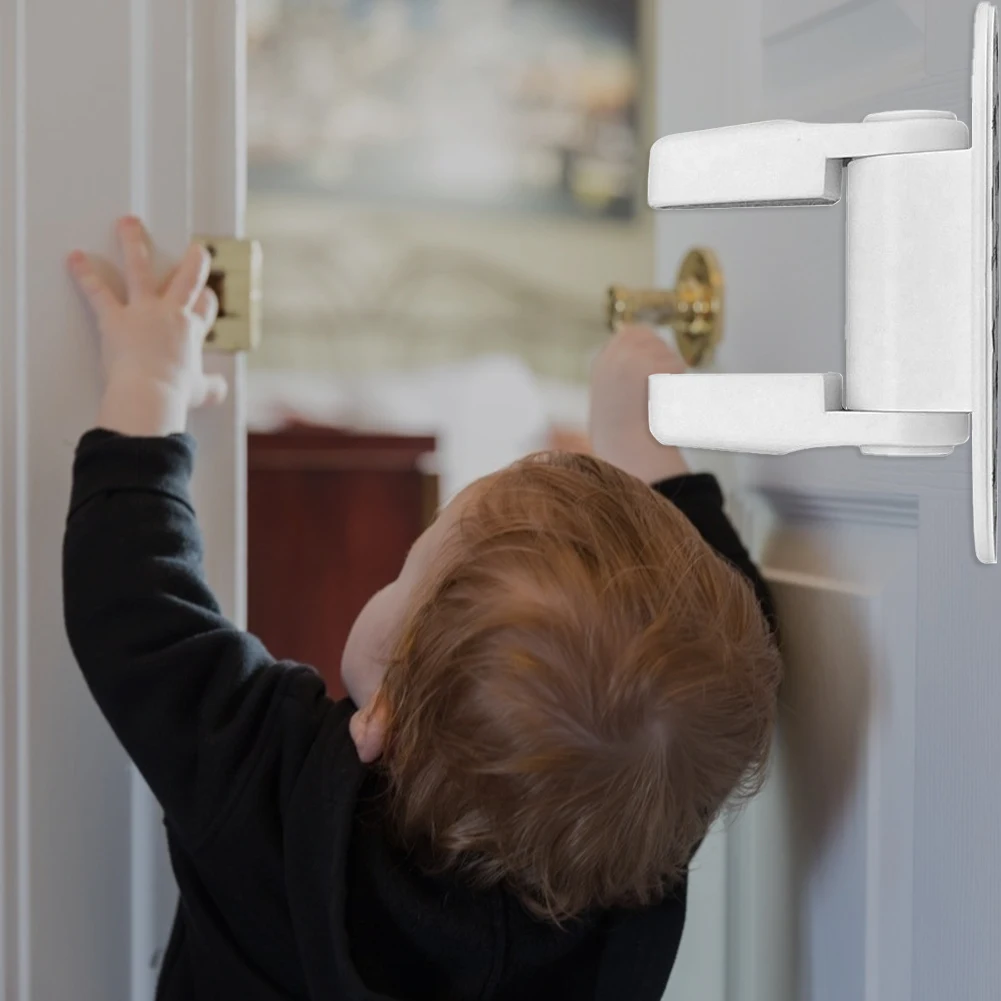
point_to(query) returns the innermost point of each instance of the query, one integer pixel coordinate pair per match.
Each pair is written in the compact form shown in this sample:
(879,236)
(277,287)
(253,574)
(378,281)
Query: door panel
(872,559)
(95,121)
(838,50)
(198,186)
(821,862)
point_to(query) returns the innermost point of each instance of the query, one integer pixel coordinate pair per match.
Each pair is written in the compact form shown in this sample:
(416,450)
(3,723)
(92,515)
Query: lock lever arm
(785,162)
(779,414)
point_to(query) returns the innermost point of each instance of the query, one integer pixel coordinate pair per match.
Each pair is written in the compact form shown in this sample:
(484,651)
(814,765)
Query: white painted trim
(195,183)
(886,580)
(816,582)
(873,845)
(104,106)
(219,204)
(162,103)
(876,563)
(894,510)
(15,839)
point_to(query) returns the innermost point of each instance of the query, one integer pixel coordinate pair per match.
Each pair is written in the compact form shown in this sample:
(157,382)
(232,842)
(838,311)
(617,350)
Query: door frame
(199,145)
(132,106)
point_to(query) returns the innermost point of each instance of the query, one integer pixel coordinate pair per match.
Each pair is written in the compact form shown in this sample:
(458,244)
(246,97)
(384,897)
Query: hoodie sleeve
(700,499)
(193,700)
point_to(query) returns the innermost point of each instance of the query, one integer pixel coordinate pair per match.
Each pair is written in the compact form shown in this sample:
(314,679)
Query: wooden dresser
(331,516)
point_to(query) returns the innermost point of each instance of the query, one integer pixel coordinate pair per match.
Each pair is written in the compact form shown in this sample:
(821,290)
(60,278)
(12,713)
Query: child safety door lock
(921,192)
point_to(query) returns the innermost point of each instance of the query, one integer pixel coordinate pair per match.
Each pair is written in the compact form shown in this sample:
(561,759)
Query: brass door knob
(693,308)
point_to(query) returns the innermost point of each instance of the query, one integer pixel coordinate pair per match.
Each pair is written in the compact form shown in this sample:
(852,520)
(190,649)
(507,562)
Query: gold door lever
(693,308)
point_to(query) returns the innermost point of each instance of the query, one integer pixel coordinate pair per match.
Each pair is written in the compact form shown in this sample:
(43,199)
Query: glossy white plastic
(921,193)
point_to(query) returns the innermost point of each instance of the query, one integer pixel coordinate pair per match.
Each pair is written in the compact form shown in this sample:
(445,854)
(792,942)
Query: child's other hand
(151,343)
(619,421)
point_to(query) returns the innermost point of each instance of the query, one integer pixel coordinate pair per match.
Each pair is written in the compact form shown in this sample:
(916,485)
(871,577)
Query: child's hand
(151,344)
(619,421)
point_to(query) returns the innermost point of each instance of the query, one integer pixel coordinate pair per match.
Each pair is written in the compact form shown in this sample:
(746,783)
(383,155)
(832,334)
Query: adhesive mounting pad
(984,429)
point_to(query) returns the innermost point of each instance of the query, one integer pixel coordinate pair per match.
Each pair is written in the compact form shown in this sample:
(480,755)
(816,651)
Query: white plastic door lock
(921,193)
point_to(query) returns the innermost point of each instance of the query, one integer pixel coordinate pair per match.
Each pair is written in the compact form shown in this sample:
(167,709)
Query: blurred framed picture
(512,105)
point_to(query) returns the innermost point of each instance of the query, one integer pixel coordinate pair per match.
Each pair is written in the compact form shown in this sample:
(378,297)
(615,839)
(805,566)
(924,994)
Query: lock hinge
(236,279)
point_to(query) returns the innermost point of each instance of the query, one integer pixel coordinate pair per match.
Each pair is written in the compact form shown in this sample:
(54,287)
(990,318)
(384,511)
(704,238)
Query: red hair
(582,686)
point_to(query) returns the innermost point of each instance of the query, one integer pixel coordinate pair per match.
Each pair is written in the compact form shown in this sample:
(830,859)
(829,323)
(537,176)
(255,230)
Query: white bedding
(486,412)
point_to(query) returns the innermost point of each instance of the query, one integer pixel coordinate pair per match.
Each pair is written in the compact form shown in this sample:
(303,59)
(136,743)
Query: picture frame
(511,106)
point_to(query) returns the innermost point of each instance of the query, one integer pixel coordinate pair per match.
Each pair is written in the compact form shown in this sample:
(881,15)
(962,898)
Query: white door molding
(123,106)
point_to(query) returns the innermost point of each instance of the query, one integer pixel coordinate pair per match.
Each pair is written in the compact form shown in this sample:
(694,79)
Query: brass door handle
(693,308)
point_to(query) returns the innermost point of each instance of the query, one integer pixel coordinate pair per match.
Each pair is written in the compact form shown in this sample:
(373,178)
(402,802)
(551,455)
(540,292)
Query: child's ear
(368,729)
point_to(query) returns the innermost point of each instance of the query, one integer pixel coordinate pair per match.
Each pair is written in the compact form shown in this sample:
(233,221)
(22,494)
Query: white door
(105,108)
(870,869)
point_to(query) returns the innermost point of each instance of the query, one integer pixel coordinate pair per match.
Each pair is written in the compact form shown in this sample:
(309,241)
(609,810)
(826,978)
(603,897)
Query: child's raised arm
(619,425)
(200,706)
(620,434)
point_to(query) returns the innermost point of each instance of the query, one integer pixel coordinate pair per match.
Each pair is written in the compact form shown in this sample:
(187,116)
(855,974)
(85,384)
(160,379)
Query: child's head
(569,683)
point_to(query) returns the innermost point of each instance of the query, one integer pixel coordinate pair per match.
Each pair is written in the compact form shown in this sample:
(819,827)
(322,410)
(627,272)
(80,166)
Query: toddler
(572,675)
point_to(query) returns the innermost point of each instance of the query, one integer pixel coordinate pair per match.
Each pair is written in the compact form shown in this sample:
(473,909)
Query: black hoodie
(289,888)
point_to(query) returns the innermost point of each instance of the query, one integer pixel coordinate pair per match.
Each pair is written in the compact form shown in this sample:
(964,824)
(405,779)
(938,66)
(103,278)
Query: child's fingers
(215,390)
(191,275)
(165,282)
(135,242)
(97,291)
(206,307)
